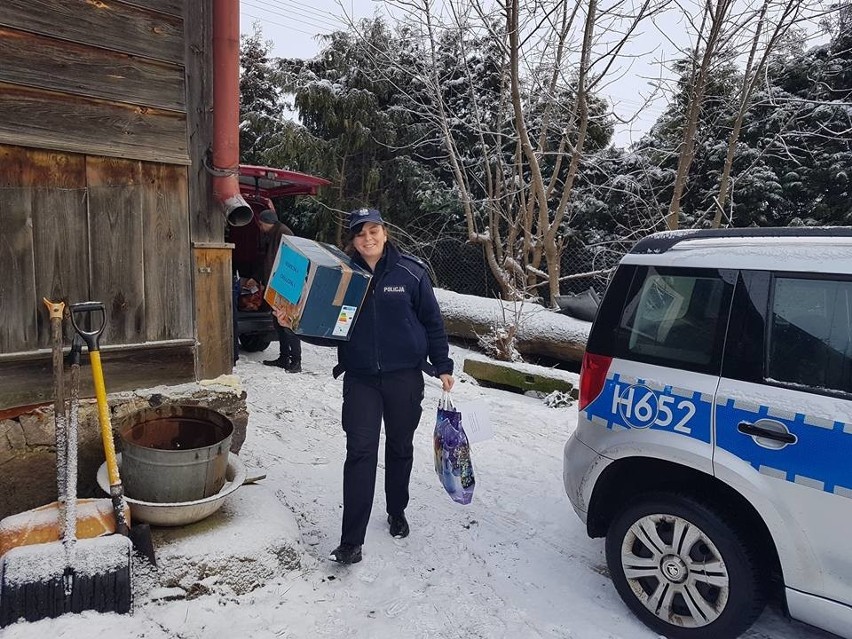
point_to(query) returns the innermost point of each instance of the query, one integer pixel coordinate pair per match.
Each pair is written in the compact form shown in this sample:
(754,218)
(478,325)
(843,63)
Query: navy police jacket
(400,324)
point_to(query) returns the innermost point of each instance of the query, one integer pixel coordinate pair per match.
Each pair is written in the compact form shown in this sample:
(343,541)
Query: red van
(260,185)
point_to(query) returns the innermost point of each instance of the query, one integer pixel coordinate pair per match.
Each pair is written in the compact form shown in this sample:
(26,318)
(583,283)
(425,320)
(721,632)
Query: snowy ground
(514,563)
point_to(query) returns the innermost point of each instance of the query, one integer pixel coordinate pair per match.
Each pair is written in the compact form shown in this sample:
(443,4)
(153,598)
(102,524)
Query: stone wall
(27,442)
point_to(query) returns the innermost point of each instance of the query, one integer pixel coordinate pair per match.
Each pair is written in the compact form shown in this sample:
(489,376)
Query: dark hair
(349,238)
(268,216)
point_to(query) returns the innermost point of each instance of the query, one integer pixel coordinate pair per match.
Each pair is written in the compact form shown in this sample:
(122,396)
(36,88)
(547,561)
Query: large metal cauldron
(174,453)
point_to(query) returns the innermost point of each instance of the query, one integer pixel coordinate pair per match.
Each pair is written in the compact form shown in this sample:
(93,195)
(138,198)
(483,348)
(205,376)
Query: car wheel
(254,343)
(683,569)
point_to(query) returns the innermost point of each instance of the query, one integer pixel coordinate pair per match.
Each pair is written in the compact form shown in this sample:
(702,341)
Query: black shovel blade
(37,583)
(140,536)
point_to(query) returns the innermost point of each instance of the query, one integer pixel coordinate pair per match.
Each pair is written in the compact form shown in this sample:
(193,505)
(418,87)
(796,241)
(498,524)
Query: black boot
(295,366)
(281,362)
(346,554)
(398,526)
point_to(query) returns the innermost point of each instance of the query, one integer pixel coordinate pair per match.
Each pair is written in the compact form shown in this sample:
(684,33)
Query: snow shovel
(44,524)
(139,534)
(49,579)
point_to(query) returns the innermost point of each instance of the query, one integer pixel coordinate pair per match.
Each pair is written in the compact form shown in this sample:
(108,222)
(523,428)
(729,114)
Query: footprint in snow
(370,571)
(396,607)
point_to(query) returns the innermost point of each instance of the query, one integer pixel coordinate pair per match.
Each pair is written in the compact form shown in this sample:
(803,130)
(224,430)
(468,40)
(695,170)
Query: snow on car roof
(813,249)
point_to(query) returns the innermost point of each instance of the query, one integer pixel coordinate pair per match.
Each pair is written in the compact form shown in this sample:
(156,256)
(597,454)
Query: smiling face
(370,242)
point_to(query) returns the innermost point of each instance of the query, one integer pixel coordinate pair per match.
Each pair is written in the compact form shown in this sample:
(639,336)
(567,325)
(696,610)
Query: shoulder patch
(414,259)
(413,265)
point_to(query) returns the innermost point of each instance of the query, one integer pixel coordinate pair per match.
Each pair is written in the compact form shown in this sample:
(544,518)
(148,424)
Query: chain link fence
(460,266)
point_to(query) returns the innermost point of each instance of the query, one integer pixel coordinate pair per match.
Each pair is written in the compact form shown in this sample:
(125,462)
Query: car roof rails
(663,241)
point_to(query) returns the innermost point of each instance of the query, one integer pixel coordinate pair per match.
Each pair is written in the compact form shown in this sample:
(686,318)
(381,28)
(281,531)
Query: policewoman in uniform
(399,335)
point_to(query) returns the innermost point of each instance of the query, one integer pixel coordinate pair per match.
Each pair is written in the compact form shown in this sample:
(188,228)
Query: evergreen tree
(354,128)
(261,106)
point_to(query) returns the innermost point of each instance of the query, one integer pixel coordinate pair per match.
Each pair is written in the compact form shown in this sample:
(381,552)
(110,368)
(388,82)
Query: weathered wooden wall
(94,78)
(90,227)
(105,120)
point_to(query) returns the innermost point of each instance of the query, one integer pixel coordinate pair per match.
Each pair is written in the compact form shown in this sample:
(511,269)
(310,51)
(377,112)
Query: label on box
(344,321)
(289,277)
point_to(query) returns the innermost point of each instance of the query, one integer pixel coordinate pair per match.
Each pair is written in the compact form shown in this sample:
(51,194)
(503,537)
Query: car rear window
(675,318)
(668,316)
(810,338)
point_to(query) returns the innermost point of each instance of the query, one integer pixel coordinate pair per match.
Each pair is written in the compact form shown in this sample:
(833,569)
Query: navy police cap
(361,216)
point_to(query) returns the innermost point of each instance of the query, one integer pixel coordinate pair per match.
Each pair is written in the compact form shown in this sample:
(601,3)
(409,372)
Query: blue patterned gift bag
(452,453)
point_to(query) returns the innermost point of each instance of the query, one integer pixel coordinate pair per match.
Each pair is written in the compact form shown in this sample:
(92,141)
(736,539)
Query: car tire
(658,548)
(254,343)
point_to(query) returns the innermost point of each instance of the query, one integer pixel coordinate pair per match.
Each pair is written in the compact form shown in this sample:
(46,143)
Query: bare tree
(725,30)
(780,17)
(553,56)
(710,34)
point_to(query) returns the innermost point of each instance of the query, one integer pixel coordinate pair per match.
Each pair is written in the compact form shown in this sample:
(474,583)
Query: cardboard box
(319,286)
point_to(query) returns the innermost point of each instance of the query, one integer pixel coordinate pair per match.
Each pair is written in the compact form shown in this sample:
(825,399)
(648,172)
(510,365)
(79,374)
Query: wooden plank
(41,119)
(168,274)
(213,312)
(41,62)
(172,7)
(106,24)
(115,232)
(205,224)
(18,319)
(60,231)
(29,380)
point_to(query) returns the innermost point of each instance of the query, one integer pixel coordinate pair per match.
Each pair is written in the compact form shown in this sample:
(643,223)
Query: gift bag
(452,453)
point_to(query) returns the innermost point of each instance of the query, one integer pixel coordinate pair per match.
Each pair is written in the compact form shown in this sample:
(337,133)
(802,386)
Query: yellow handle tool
(140,534)
(92,339)
(103,417)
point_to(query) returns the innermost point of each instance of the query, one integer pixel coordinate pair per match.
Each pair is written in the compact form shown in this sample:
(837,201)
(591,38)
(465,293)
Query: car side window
(810,337)
(676,317)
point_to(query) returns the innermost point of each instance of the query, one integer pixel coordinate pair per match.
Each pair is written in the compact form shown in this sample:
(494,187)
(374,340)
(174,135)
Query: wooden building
(105,132)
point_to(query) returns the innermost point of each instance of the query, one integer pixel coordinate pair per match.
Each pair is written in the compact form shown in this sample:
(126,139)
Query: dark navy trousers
(290,344)
(367,400)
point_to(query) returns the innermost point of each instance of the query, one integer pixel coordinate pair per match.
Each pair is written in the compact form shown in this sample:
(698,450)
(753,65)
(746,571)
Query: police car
(714,443)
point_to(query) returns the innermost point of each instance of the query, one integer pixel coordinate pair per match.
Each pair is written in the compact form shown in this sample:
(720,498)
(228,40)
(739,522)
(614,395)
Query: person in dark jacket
(290,346)
(399,335)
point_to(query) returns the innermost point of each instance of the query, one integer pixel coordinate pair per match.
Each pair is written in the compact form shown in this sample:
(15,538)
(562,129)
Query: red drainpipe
(226,112)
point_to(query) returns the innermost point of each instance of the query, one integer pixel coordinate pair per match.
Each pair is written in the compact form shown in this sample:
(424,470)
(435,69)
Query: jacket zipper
(376,325)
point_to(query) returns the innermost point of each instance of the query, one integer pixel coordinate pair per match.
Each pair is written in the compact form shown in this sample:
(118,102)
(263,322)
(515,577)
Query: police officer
(399,334)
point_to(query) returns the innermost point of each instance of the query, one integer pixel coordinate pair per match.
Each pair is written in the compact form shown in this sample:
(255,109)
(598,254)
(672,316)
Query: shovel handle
(92,338)
(55,312)
(55,309)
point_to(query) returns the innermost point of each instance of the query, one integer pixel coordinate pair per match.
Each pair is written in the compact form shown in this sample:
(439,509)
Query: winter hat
(361,216)
(268,216)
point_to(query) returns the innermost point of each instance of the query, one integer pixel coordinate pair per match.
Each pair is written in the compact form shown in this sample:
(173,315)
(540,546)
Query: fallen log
(540,331)
(519,376)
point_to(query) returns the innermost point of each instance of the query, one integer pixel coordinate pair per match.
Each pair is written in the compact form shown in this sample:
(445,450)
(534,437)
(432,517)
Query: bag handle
(446,401)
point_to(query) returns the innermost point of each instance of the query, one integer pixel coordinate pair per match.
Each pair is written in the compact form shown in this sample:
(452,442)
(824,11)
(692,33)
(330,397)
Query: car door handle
(747,428)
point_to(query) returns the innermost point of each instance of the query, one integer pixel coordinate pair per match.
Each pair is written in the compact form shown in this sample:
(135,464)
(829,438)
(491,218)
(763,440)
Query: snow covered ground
(514,563)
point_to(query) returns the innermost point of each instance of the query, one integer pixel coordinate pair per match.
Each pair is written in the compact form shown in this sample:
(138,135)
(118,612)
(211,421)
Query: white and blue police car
(714,442)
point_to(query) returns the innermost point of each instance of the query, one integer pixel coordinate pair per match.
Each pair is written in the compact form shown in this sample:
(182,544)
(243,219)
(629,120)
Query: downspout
(226,113)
